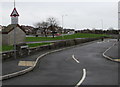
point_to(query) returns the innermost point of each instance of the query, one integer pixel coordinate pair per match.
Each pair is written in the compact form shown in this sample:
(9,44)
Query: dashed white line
(83,78)
(75,59)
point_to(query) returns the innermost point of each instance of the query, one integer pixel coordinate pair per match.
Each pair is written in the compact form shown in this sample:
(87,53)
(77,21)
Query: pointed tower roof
(14,13)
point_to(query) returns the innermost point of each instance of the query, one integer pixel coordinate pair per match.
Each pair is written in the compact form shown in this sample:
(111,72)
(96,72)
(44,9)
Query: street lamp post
(102,29)
(102,23)
(63,25)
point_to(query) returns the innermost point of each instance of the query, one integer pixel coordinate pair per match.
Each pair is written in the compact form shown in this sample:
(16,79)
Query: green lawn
(38,44)
(78,35)
(29,39)
(7,48)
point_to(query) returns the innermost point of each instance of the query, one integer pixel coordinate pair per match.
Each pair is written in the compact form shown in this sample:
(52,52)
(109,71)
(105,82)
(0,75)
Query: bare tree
(43,26)
(37,27)
(53,24)
(50,24)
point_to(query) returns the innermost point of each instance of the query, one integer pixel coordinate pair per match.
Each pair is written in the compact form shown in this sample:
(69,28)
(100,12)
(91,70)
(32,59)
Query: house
(29,30)
(13,33)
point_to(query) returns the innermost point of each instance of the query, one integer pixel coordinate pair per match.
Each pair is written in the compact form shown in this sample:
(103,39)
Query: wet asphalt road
(113,50)
(60,69)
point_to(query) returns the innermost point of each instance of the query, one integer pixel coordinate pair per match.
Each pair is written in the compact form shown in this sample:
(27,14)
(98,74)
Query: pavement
(11,66)
(61,68)
(113,52)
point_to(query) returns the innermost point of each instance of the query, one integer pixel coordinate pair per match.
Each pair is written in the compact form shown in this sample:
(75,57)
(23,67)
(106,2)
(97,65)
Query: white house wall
(20,36)
(5,39)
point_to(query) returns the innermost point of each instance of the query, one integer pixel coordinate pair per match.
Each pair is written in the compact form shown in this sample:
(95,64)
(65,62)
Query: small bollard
(118,39)
(102,39)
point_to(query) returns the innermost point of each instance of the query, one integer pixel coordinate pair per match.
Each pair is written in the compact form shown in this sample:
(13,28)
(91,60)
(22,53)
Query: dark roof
(10,27)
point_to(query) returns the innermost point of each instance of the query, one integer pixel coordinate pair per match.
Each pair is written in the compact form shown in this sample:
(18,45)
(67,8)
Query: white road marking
(75,59)
(83,78)
(102,41)
(104,54)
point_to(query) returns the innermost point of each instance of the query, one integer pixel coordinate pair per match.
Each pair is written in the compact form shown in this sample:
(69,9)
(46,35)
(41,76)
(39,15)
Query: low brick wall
(56,45)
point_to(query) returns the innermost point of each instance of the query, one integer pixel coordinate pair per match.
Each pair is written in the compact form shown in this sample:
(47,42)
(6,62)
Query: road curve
(60,69)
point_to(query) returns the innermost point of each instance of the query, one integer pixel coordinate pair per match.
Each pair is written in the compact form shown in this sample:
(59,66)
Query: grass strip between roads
(77,35)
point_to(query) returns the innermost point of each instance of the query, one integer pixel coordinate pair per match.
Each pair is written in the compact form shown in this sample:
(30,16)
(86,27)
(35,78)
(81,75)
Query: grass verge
(38,44)
(78,35)
(7,47)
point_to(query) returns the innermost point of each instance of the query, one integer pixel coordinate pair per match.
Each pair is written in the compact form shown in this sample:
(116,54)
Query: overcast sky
(79,14)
